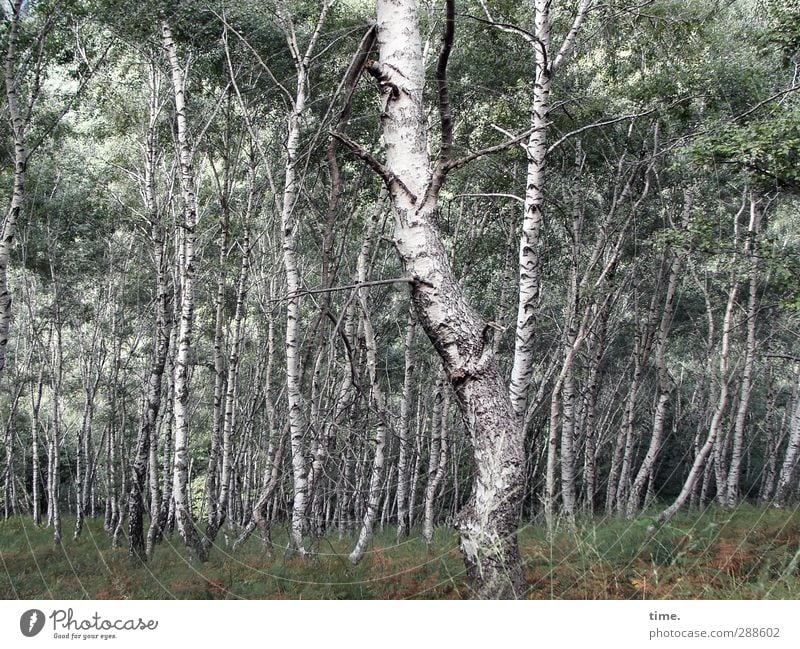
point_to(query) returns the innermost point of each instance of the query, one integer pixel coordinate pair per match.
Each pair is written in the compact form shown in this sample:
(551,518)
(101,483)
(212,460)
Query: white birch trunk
(18,126)
(789,467)
(180,487)
(36,401)
(746,388)
(298,423)
(530,263)
(488,522)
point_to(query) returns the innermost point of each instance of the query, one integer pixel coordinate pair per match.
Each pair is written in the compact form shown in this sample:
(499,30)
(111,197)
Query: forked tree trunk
(488,522)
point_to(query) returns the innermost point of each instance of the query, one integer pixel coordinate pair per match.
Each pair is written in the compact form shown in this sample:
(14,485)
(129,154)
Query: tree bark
(734,471)
(789,467)
(18,126)
(180,489)
(487,523)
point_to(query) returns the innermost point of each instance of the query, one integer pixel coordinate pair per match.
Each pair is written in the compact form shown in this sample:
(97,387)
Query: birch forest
(408,293)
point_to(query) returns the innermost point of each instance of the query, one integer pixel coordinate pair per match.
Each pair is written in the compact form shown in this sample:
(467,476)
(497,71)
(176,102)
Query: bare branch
(594,125)
(493,195)
(348,287)
(392,181)
(445,152)
(571,38)
(460,162)
(261,62)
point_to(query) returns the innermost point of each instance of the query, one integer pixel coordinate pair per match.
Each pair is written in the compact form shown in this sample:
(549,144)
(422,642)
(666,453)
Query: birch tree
(180,488)
(298,421)
(146,445)
(746,387)
(547,63)
(487,524)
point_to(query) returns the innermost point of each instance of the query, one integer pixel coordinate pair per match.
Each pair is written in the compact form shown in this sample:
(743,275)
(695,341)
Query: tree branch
(504,27)
(460,162)
(588,127)
(357,285)
(353,73)
(569,42)
(392,181)
(445,152)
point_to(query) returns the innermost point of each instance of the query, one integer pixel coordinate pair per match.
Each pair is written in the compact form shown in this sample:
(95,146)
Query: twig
(348,287)
(389,178)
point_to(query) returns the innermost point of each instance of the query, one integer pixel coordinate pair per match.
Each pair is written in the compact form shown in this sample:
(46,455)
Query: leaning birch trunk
(163,522)
(732,488)
(664,391)
(488,522)
(590,407)
(642,347)
(700,459)
(20,162)
(180,487)
(144,455)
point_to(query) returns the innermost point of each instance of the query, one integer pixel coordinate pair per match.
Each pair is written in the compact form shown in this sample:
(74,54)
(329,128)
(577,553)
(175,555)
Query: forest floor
(747,553)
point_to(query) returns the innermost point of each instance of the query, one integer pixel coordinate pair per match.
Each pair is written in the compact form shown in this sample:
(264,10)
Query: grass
(746,553)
